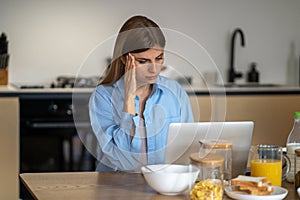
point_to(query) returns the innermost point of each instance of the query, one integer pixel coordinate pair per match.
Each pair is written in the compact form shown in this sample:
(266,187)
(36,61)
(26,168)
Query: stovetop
(64,82)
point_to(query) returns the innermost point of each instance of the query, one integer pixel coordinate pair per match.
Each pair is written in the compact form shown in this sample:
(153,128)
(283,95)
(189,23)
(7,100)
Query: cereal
(206,190)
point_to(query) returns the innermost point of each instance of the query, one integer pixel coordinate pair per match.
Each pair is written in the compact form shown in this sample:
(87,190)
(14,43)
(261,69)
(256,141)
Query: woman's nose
(152,67)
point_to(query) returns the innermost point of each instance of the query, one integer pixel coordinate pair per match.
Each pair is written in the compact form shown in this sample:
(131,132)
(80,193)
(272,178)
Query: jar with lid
(210,185)
(220,147)
(297,166)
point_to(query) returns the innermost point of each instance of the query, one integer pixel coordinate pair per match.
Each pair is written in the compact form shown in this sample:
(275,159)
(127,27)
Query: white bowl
(171,179)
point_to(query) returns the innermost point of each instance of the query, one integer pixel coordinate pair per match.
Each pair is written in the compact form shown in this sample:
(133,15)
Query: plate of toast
(252,188)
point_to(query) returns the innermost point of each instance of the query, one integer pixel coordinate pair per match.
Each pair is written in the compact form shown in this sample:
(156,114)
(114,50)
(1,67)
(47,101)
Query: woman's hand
(129,85)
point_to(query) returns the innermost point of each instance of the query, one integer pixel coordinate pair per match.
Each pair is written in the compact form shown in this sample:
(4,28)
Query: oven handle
(60,125)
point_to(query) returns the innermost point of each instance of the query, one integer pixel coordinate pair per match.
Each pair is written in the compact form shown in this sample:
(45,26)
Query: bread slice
(252,185)
(262,190)
(250,180)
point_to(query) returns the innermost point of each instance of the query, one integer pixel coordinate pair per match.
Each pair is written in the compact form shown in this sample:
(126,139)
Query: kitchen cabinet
(272,114)
(9,147)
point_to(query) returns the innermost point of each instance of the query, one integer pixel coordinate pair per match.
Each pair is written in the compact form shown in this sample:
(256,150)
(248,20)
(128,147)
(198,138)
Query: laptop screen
(183,140)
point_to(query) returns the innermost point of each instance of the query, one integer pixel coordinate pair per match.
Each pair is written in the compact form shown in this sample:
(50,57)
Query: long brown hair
(138,34)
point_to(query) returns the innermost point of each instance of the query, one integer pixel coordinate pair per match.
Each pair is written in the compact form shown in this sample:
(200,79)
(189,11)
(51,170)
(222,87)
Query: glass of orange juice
(266,162)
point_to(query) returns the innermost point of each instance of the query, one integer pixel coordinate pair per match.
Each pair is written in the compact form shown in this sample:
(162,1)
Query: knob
(69,109)
(53,108)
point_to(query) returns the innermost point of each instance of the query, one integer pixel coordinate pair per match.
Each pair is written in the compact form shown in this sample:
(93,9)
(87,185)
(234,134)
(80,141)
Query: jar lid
(209,160)
(216,144)
(297,151)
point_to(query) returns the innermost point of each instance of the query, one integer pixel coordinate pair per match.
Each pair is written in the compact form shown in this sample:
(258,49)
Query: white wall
(52,38)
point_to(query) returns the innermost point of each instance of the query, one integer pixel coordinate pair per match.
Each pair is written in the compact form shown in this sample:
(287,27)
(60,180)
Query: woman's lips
(151,77)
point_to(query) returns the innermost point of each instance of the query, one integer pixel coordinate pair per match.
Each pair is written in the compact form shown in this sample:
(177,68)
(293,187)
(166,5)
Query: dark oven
(49,140)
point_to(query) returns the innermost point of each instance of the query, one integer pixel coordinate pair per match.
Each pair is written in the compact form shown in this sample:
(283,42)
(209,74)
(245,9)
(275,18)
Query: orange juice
(269,168)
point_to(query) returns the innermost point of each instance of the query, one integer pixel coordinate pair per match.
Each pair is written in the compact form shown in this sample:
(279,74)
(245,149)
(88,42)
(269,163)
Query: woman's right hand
(129,84)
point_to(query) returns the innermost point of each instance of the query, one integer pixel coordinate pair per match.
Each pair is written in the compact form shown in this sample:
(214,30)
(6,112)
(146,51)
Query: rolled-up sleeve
(113,135)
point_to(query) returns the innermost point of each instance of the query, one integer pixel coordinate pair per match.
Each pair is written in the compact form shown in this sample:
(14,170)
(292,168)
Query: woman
(133,105)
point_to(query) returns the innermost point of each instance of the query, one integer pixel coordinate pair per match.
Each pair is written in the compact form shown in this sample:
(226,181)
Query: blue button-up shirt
(167,103)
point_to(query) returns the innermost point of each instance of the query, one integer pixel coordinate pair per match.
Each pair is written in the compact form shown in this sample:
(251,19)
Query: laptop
(183,140)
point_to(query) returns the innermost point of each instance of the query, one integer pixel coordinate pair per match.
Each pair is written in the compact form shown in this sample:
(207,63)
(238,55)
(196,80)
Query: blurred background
(52,38)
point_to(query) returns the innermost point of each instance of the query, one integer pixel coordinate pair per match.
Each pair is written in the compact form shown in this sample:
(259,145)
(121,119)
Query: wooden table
(99,185)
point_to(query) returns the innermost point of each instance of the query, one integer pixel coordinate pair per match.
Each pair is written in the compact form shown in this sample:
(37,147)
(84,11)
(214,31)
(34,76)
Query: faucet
(232,73)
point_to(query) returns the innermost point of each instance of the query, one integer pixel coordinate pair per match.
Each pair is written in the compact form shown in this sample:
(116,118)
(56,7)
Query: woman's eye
(142,61)
(159,58)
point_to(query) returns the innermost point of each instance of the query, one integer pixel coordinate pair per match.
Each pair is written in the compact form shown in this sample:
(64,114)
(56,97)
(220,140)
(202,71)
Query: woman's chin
(148,81)
(152,81)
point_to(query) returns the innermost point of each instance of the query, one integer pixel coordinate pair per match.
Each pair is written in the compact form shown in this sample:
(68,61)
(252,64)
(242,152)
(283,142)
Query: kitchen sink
(233,85)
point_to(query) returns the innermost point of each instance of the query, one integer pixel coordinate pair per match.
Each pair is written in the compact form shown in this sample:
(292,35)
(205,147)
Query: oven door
(49,140)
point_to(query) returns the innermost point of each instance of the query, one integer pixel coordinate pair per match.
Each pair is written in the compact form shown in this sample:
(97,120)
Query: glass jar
(297,166)
(220,147)
(210,185)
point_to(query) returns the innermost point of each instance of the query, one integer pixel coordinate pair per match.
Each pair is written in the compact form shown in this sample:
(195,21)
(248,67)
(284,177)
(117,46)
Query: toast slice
(250,180)
(252,185)
(262,190)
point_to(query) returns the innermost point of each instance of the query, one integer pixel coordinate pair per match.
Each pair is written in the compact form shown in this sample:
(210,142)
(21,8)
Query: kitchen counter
(7,88)
(14,89)
(11,90)
(215,90)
